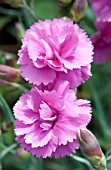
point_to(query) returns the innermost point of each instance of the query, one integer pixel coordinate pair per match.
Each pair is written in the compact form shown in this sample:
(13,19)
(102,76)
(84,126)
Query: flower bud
(8,73)
(22,153)
(20,30)
(91,148)
(5,125)
(9,61)
(78,10)
(64,3)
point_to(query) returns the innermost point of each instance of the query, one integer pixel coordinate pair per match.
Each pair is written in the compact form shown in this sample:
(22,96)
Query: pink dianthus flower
(54,50)
(102,42)
(47,122)
(102,9)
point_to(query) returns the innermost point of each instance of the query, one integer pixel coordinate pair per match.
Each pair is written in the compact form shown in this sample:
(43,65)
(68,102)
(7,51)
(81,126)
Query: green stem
(7,150)
(10,12)
(108,152)
(108,158)
(99,108)
(20,87)
(82,160)
(5,107)
(11,84)
(29,9)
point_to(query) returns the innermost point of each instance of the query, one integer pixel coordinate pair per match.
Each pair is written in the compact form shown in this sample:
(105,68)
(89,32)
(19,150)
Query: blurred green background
(14,20)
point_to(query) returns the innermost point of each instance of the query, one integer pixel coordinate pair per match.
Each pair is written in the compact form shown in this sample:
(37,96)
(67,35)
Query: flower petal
(37,75)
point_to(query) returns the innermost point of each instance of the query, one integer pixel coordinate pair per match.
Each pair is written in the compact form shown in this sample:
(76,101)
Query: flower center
(55,58)
(48,116)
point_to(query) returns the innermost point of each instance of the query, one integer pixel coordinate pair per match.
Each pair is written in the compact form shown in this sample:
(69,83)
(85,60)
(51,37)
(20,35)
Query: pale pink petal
(37,75)
(34,100)
(74,77)
(38,138)
(63,150)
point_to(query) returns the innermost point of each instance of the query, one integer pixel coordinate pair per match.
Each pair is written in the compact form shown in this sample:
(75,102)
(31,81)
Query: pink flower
(47,122)
(102,42)
(55,49)
(102,9)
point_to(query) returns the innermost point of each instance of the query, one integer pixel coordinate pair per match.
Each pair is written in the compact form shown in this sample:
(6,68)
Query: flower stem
(29,9)
(82,160)
(7,150)
(100,111)
(5,107)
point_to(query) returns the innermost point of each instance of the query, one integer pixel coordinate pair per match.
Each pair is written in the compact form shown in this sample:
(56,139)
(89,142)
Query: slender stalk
(12,84)
(108,158)
(100,111)
(10,12)
(5,107)
(7,150)
(29,9)
(108,152)
(82,160)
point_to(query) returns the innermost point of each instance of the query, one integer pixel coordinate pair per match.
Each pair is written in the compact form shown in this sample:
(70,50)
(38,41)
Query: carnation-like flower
(102,42)
(102,9)
(55,49)
(47,122)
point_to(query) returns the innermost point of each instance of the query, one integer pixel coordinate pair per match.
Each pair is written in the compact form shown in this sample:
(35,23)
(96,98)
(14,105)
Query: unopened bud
(78,10)
(64,3)
(13,3)
(91,148)
(20,30)
(5,125)
(22,153)
(9,61)
(8,73)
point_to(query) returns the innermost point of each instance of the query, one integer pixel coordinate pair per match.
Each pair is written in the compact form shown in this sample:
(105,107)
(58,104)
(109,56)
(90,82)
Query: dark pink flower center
(48,116)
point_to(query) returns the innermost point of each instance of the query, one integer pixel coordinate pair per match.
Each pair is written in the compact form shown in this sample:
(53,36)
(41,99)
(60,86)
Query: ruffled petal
(37,75)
